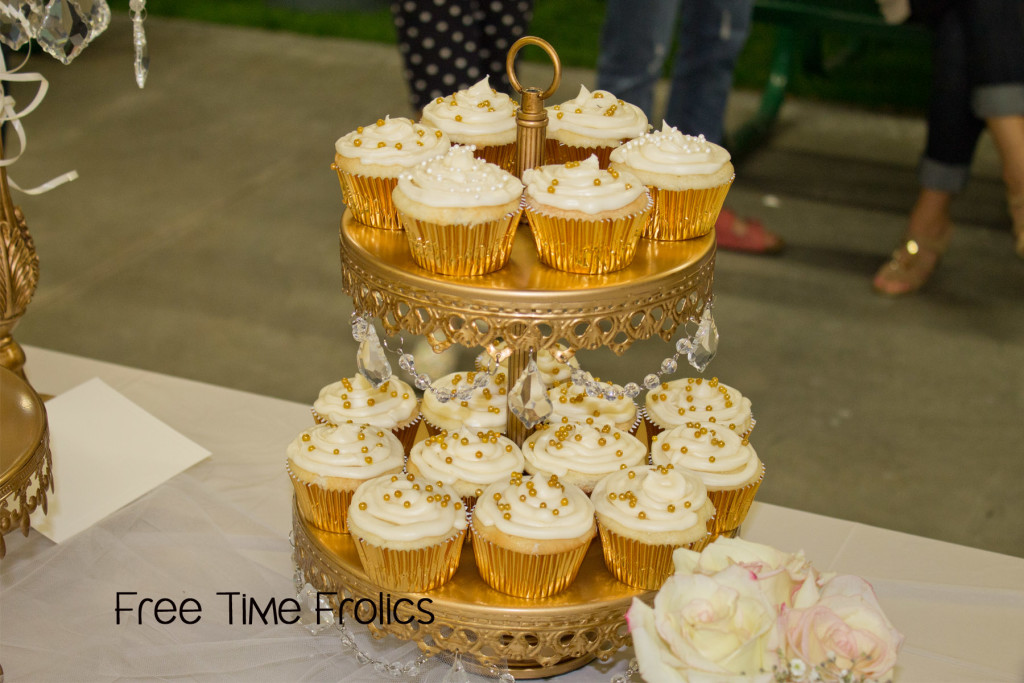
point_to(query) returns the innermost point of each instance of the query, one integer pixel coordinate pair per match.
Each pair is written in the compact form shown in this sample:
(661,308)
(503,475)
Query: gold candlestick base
(19,275)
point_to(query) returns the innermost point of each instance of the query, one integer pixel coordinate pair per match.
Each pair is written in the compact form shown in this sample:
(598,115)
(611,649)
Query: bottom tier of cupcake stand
(527,306)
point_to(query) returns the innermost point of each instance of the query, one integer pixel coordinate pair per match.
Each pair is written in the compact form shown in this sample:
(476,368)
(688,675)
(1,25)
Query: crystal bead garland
(698,349)
(137,8)
(306,595)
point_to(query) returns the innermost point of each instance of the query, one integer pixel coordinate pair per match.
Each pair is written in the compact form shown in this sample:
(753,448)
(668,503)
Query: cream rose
(841,627)
(707,629)
(780,574)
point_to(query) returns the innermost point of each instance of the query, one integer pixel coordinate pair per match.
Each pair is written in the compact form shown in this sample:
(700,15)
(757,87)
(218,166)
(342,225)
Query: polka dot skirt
(448,45)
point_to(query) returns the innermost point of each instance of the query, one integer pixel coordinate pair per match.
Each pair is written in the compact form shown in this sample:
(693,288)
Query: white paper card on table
(107,451)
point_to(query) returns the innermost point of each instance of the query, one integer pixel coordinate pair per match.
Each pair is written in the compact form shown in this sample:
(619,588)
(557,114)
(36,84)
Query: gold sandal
(1016,205)
(911,265)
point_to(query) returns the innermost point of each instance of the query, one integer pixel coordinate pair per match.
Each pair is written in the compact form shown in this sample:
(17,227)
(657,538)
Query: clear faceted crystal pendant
(458,673)
(18,21)
(64,31)
(705,342)
(528,400)
(316,615)
(370,359)
(138,12)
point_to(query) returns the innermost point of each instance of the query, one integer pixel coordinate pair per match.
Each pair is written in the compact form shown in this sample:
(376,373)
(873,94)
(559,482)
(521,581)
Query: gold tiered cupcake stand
(528,306)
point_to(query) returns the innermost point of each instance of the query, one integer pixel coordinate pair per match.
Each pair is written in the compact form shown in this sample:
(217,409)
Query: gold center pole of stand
(532,118)
(531,126)
(19,274)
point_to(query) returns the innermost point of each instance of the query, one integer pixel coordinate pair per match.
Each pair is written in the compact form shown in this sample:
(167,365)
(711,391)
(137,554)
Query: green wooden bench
(799,26)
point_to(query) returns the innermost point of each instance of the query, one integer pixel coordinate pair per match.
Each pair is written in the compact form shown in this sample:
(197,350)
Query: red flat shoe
(746,235)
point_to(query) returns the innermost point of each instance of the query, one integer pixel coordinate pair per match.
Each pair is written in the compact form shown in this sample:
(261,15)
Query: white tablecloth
(223,526)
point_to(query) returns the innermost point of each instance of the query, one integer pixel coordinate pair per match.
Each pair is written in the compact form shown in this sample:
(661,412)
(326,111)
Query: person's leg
(995,33)
(635,42)
(953,132)
(711,35)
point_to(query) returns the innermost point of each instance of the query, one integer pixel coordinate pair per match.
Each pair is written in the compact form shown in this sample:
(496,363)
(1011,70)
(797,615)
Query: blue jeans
(637,39)
(977,73)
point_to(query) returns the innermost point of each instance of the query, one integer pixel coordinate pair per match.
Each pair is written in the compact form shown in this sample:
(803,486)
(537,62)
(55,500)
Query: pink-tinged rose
(707,629)
(781,574)
(842,622)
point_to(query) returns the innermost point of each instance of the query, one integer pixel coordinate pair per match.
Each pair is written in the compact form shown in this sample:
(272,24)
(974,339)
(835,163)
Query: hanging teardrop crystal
(458,673)
(370,359)
(528,400)
(18,21)
(139,41)
(316,613)
(64,31)
(705,341)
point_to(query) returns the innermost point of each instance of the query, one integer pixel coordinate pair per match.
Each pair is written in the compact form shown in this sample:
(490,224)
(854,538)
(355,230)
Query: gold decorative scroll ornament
(19,275)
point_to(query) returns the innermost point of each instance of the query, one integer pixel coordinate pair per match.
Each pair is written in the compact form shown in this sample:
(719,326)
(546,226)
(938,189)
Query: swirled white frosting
(458,179)
(582,186)
(572,403)
(599,115)
(354,399)
(397,142)
(349,450)
(590,449)
(697,399)
(670,152)
(466,457)
(719,455)
(651,498)
(486,409)
(535,507)
(406,508)
(476,111)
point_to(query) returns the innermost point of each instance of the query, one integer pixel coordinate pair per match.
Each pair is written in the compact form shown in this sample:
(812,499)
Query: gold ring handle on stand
(532,118)
(544,45)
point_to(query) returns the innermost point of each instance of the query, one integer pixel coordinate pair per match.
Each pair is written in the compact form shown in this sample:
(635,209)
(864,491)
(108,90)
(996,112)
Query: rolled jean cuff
(1005,99)
(937,175)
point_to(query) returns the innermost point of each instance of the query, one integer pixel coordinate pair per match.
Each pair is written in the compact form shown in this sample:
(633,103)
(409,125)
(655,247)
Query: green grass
(881,75)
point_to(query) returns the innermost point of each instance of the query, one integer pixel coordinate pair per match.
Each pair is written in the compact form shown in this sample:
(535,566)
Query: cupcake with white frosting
(393,405)
(585,219)
(465,460)
(370,159)
(328,463)
(460,213)
(486,410)
(688,178)
(408,531)
(572,403)
(725,462)
(695,399)
(480,116)
(591,123)
(581,453)
(530,535)
(644,514)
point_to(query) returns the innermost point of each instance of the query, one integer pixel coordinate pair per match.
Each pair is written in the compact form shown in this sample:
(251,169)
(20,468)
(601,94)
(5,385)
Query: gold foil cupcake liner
(369,199)
(639,564)
(684,214)
(325,509)
(503,156)
(411,571)
(556,152)
(461,250)
(586,246)
(731,507)
(526,575)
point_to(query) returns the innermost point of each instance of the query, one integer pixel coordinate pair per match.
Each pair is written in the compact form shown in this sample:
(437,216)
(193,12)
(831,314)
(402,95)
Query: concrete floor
(201,241)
